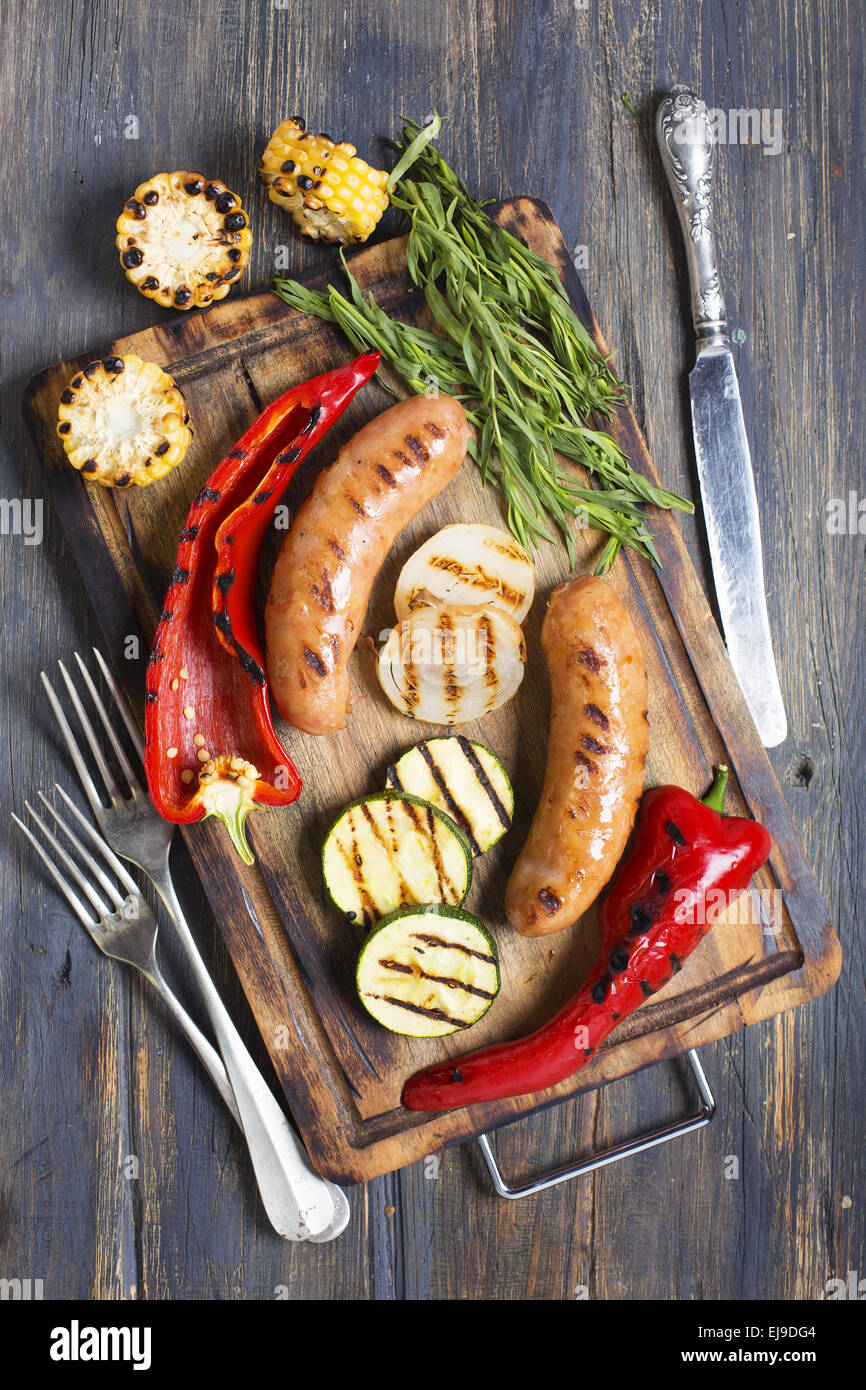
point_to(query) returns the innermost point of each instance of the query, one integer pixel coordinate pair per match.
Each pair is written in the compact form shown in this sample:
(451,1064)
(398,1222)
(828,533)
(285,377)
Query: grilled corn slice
(331,193)
(183,239)
(123,421)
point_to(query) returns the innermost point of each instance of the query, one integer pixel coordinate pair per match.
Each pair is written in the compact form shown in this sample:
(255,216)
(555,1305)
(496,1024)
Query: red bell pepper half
(210,746)
(654,915)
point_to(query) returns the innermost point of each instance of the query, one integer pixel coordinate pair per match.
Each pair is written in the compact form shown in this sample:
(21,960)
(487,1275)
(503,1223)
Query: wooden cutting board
(341,1072)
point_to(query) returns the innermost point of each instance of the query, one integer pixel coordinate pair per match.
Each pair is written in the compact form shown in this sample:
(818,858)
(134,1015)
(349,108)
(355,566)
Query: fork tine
(96,804)
(87,889)
(121,702)
(101,844)
(74,901)
(98,755)
(86,855)
(107,725)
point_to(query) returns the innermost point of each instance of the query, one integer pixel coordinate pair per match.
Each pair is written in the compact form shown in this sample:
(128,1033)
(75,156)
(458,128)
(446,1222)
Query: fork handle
(208,1055)
(215,1068)
(297,1200)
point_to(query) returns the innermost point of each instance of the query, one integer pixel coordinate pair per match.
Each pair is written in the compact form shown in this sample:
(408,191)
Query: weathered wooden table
(120,1175)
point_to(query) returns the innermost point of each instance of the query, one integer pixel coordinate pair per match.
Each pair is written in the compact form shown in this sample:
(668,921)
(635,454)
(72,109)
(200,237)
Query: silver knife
(686,142)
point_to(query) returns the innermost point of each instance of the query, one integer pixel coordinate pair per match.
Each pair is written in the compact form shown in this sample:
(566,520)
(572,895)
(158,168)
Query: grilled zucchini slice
(427,971)
(463,779)
(389,850)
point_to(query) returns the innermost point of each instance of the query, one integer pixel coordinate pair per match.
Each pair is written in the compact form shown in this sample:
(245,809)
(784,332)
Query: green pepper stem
(715,797)
(234,824)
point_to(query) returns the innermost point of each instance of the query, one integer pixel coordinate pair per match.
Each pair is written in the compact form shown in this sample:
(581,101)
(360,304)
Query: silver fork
(300,1204)
(126,933)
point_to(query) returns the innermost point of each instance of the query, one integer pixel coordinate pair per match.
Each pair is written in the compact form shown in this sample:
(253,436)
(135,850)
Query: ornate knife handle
(686,143)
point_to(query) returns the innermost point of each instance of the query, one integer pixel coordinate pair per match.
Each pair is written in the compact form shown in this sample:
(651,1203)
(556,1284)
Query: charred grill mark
(324,594)
(592,745)
(208,494)
(236,454)
(434,429)
(475,763)
(397,965)
(385,475)
(417,448)
(639,921)
(618,959)
(661,881)
(335,645)
(598,993)
(588,656)
(355,505)
(486,627)
(290,456)
(151,697)
(449,980)
(315,413)
(262,496)
(155,656)
(452,946)
(595,714)
(477,577)
(444,886)
(354,863)
(225,581)
(550,901)
(189,534)
(337,549)
(248,663)
(439,1014)
(454,807)
(676,962)
(583,761)
(180,576)
(675,833)
(315,663)
(445,634)
(403,458)
(646,988)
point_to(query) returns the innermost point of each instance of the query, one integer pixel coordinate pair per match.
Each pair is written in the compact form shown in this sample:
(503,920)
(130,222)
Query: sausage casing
(336,546)
(595,758)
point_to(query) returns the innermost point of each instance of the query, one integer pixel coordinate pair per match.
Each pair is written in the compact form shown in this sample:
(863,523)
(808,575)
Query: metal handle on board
(600,1160)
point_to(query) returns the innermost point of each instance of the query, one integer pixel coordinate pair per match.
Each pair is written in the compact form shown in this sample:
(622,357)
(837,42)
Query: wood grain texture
(533,99)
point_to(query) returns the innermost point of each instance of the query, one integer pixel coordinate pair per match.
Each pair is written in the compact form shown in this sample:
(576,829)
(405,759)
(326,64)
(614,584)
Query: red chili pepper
(210,746)
(661,903)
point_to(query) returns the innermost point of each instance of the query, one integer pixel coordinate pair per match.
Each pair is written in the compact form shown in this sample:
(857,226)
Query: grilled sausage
(336,545)
(595,758)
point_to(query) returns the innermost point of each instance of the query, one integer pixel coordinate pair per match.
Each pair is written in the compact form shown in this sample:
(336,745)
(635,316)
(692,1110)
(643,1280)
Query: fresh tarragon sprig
(508,344)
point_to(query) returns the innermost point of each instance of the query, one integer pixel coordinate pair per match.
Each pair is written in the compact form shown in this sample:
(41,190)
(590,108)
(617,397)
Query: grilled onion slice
(469,564)
(428,971)
(449,665)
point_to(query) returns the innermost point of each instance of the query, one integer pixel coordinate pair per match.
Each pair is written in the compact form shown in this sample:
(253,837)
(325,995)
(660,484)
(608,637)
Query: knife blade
(722,451)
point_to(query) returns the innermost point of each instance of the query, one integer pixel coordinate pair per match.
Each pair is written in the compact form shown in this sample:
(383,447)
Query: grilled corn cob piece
(331,193)
(123,421)
(183,239)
